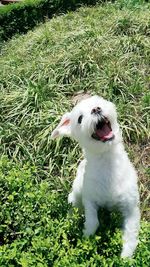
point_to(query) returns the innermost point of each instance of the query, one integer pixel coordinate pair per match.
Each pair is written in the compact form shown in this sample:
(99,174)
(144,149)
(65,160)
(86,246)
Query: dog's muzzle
(103,131)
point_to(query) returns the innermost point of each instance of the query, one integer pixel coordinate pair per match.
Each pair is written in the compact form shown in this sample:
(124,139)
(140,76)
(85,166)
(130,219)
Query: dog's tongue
(104,133)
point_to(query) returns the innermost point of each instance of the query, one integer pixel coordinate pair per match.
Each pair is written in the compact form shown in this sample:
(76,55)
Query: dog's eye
(80,119)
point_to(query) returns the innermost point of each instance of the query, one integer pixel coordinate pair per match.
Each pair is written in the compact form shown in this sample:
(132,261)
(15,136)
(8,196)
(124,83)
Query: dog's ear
(63,127)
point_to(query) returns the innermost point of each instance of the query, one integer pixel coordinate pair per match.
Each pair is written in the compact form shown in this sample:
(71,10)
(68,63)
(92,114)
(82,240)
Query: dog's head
(92,122)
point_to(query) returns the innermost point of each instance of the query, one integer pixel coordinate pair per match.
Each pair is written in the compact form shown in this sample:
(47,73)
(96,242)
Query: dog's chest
(100,182)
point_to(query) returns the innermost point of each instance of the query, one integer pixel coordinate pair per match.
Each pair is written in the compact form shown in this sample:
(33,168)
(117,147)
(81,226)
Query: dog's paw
(90,227)
(86,233)
(126,253)
(71,199)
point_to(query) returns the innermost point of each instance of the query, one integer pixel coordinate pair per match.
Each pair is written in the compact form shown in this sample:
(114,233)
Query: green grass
(101,50)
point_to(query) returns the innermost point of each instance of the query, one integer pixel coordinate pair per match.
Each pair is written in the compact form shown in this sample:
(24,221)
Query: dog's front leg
(91,218)
(130,231)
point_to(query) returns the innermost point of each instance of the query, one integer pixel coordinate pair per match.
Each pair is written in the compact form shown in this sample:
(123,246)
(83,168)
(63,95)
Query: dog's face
(92,122)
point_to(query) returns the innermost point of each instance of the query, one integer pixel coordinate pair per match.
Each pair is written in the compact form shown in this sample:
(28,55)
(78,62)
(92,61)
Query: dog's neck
(109,150)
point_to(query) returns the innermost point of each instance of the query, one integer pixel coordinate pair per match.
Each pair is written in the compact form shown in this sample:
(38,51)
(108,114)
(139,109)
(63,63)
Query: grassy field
(101,50)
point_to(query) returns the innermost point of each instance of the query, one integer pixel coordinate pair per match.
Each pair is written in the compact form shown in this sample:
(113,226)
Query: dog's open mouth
(103,131)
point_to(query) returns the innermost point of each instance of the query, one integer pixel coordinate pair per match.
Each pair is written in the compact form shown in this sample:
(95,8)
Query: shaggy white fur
(106,177)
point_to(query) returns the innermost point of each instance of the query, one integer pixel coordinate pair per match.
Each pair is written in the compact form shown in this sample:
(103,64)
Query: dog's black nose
(96,111)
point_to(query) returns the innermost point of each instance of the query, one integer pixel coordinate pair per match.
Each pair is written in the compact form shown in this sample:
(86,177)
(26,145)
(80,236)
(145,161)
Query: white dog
(106,177)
